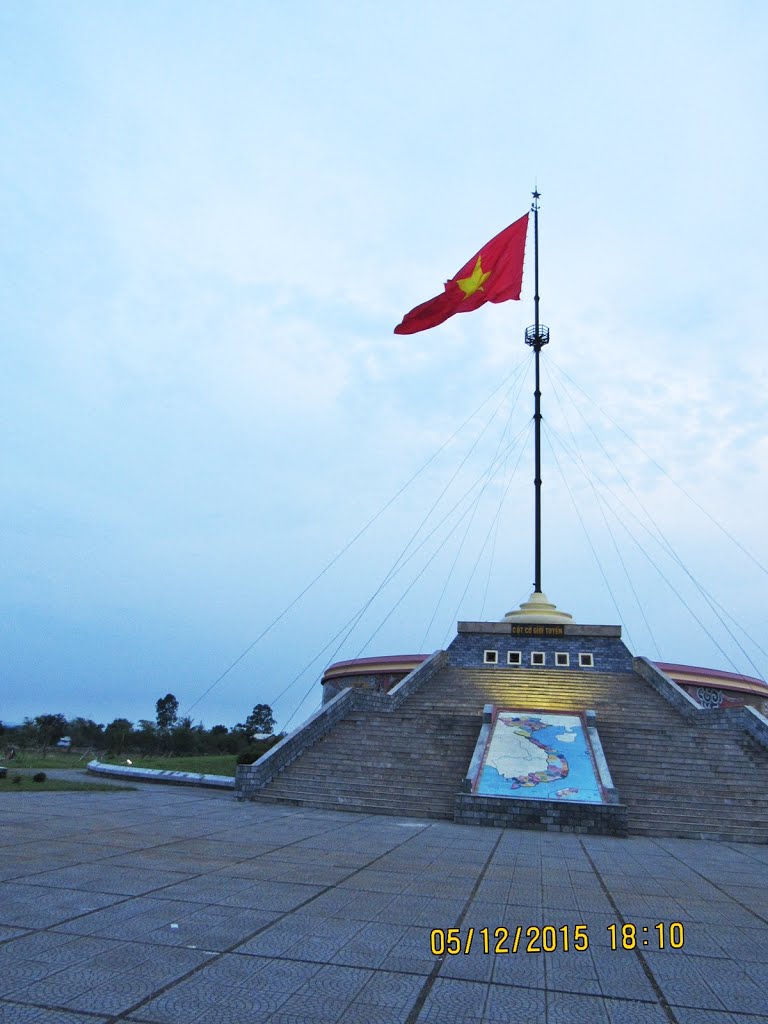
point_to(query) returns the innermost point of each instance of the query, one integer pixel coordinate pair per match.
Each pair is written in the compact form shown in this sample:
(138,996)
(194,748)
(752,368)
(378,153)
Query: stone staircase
(405,763)
(677,777)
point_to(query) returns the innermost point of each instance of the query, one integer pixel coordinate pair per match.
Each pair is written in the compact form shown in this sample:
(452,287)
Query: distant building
(532,721)
(709,687)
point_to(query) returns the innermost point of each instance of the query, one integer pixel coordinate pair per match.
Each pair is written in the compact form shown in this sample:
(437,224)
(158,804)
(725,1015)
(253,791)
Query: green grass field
(211,764)
(53,759)
(27,785)
(208,764)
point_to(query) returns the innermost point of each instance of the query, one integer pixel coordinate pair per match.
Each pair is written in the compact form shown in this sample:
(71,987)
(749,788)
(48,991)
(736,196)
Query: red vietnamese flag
(494,274)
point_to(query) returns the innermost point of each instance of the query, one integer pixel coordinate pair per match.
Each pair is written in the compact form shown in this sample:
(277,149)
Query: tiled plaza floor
(176,906)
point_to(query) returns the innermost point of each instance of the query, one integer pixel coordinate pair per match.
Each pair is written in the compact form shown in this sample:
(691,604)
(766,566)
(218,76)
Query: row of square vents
(539,658)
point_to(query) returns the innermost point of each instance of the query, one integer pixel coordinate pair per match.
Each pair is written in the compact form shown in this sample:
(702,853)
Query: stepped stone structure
(675,768)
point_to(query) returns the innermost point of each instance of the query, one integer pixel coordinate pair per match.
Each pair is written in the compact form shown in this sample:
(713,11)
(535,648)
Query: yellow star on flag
(471,287)
(476,280)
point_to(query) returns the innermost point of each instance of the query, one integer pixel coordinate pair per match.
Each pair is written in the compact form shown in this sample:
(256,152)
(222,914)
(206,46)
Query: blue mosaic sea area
(579,785)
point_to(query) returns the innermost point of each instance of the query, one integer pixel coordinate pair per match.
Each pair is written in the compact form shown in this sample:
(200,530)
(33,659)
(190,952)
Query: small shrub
(248,757)
(16,779)
(39,777)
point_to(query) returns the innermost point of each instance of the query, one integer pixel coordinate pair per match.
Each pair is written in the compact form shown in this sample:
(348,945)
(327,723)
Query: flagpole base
(538,608)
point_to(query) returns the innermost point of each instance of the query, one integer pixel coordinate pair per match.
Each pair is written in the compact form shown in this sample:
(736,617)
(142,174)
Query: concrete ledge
(569,628)
(160,775)
(253,777)
(503,628)
(543,815)
(477,755)
(667,687)
(745,718)
(736,720)
(415,679)
(575,629)
(603,771)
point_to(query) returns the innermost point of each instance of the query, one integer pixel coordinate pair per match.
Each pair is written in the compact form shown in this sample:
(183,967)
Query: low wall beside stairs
(253,777)
(546,815)
(667,688)
(735,720)
(745,719)
(166,776)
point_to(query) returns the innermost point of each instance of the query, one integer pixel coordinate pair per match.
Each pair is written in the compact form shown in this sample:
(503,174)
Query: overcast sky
(214,214)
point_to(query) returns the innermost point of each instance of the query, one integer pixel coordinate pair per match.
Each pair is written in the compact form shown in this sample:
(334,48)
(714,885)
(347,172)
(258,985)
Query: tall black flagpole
(537,336)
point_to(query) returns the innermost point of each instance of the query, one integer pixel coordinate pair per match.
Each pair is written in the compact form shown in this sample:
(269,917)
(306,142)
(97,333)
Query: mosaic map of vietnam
(539,756)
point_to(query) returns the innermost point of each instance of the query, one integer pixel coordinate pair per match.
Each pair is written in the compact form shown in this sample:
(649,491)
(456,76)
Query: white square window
(586,661)
(490,657)
(514,657)
(562,659)
(538,658)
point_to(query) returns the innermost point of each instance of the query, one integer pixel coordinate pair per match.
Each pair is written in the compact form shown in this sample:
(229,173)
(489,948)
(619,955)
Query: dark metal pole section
(537,336)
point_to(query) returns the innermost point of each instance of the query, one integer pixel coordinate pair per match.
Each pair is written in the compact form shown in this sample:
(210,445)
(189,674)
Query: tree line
(167,734)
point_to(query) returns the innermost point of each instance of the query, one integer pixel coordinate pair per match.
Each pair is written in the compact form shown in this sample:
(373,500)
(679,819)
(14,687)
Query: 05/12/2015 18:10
(547,939)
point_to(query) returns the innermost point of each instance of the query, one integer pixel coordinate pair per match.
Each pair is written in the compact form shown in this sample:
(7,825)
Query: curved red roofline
(387,659)
(712,673)
(730,680)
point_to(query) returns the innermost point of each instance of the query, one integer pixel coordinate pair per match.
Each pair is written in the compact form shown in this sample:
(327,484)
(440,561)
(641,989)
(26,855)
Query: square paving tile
(186,906)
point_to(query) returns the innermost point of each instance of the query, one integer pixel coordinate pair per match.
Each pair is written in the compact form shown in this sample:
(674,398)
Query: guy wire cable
(671,553)
(622,522)
(666,546)
(471,520)
(399,567)
(356,537)
(618,470)
(478,481)
(497,521)
(402,596)
(662,539)
(669,550)
(496,463)
(426,518)
(638,602)
(460,548)
(586,534)
(494,522)
(660,467)
(413,582)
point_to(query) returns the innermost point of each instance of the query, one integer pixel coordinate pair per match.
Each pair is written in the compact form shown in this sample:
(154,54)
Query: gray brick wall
(253,777)
(667,688)
(610,653)
(734,720)
(544,815)
(746,719)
